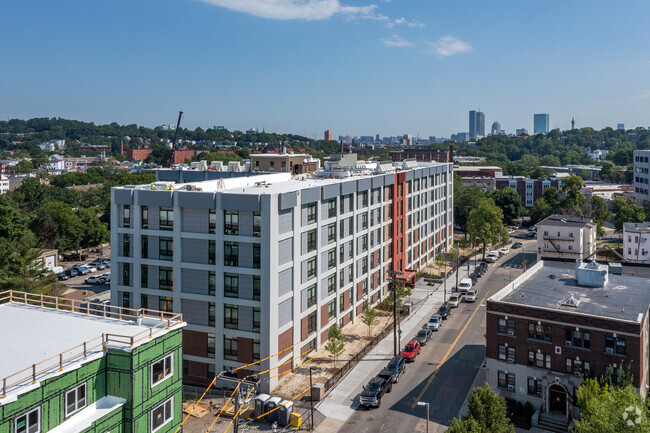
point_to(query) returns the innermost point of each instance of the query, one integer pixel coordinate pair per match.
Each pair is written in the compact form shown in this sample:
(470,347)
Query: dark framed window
(166,248)
(231,285)
(166,278)
(257,287)
(341,229)
(211,344)
(311,323)
(211,313)
(144,301)
(364,243)
(350,273)
(364,287)
(144,212)
(342,277)
(506,327)
(342,253)
(364,221)
(231,316)
(364,198)
(350,203)
(535,386)
(126,245)
(311,240)
(144,276)
(166,304)
(577,339)
(126,299)
(311,268)
(256,350)
(615,345)
(331,208)
(231,253)
(331,284)
(364,265)
(311,213)
(331,233)
(257,224)
(126,215)
(212,252)
(230,348)
(331,309)
(331,258)
(257,256)
(126,274)
(212,221)
(539,332)
(578,367)
(257,317)
(212,282)
(341,302)
(506,380)
(311,296)
(166,218)
(145,246)
(231,222)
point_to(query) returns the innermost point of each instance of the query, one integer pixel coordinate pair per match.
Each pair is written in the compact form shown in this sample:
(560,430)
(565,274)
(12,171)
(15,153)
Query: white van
(464,285)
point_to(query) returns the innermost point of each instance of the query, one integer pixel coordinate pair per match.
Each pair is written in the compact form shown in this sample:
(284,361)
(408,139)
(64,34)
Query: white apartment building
(4,184)
(636,242)
(566,237)
(266,264)
(641,176)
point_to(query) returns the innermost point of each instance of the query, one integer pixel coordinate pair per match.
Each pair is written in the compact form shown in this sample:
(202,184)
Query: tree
(335,342)
(550,195)
(610,410)
(573,199)
(160,155)
(463,205)
(540,210)
(487,414)
(57,226)
(509,202)
(485,224)
(25,272)
(626,211)
(368,316)
(599,211)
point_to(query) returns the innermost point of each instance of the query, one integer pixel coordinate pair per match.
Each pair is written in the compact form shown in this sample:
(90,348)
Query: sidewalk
(342,401)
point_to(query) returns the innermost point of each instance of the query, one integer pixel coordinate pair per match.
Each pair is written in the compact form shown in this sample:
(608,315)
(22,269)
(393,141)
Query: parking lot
(76,287)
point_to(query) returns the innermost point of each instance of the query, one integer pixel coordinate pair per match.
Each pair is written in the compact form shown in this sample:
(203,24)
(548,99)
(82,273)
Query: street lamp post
(393,281)
(457,262)
(425,403)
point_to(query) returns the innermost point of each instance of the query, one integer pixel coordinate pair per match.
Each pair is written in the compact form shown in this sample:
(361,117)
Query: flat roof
(638,227)
(566,221)
(625,297)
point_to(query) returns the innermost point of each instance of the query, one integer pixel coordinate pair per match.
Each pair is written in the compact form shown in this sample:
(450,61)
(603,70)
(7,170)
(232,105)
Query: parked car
(464,285)
(492,257)
(98,264)
(470,296)
(434,322)
(411,350)
(82,270)
(95,280)
(504,251)
(73,272)
(423,336)
(511,231)
(374,391)
(106,276)
(517,245)
(63,276)
(453,301)
(394,369)
(90,267)
(474,278)
(483,266)
(444,311)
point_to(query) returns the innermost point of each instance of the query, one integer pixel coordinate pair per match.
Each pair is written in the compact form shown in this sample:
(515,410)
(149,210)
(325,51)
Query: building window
(162,414)
(231,222)
(257,316)
(145,247)
(311,240)
(506,380)
(144,276)
(126,216)
(211,313)
(231,253)
(342,253)
(364,243)
(257,287)
(212,252)
(145,217)
(126,274)
(535,386)
(212,221)
(350,273)
(311,323)
(230,348)
(144,301)
(257,224)
(577,339)
(539,360)
(311,268)
(331,233)
(75,400)
(311,213)
(211,372)
(364,199)
(166,248)
(341,302)
(615,345)
(257,256)
(166,278)
(230,313)
(331,284)
(166,304)
(364,221)
(507,353)
(331,208)
(126,245)
(211,344)
(29,422)
(506,327)
(231,285)
(331,309)
(166,218)
(212,282)
(539,332)
(331,258)
(162,369)
(311,296)
(257,350)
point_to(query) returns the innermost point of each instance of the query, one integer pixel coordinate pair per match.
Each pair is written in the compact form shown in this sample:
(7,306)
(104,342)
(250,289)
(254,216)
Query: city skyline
(262,64)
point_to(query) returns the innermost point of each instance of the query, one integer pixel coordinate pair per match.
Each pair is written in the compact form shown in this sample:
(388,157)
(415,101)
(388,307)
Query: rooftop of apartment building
(555,286)
(567,221)
(643,227)
(38,335)
(469,168)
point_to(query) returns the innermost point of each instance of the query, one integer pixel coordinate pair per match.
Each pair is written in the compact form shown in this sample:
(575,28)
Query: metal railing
(163,321)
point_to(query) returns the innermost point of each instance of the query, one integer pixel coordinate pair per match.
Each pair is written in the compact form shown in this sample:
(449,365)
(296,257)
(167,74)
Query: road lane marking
(435,372)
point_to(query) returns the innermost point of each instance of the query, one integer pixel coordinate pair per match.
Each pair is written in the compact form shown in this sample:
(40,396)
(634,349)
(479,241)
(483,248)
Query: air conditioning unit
(511,332)
(511,360)
(539,394)
(567,343)
(511,387)
(609,350)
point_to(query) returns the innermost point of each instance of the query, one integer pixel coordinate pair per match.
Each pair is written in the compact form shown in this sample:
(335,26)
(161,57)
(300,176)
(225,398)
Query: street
(444,372)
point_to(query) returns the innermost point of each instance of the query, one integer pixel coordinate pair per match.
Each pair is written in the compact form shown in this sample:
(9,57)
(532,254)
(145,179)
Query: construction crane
(178,125)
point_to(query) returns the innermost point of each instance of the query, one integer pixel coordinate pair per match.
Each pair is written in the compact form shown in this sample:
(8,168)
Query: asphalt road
(444,372)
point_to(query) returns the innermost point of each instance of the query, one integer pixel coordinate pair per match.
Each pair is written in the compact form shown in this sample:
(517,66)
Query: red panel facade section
(244,350)
(304,329)
(399,201)
(324,316)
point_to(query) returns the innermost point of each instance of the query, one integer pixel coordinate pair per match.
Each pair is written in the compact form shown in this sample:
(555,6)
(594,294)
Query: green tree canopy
(611,410)
(485,224)
(573,200)
(468,199)
(510,203)
(487,414)
(540,210)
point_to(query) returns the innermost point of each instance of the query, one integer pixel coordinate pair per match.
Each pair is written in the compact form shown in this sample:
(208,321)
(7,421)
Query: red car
(411,350)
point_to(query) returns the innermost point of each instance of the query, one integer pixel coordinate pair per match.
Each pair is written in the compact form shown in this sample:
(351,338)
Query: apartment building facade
(266,264)
(566,237)
(423,155)
(548,327)
(641,167)
(636,242)
(530,190)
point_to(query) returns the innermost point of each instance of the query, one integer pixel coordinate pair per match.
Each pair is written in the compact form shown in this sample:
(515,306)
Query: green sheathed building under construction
(78,367)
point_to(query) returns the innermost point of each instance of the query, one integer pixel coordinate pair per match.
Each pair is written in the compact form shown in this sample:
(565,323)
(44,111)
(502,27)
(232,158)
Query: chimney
(341,146)
(121,147)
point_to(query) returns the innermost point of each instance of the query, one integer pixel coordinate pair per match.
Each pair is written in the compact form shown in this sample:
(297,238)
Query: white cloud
(448,46)
(396,41)
(299,9)
(403,21)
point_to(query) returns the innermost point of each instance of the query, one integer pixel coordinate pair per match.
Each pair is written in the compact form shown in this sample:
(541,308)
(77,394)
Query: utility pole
(311,401)
(393,283)
(236,417)
(457,262)
(444,299)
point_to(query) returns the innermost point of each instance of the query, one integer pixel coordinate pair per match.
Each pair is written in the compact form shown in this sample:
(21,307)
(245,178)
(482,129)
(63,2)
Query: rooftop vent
(571,302)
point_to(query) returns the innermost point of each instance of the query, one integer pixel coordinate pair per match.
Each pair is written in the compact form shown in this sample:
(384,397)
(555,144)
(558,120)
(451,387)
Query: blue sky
(358,67)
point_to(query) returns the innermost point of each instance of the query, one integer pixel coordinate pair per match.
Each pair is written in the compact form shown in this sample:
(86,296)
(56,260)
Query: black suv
(374,391)
(444,311)
(394,369)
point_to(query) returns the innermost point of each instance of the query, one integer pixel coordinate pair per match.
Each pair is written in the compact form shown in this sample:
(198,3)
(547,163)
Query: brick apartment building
(528,189)
(423,155)
(554,323)
(138,154)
